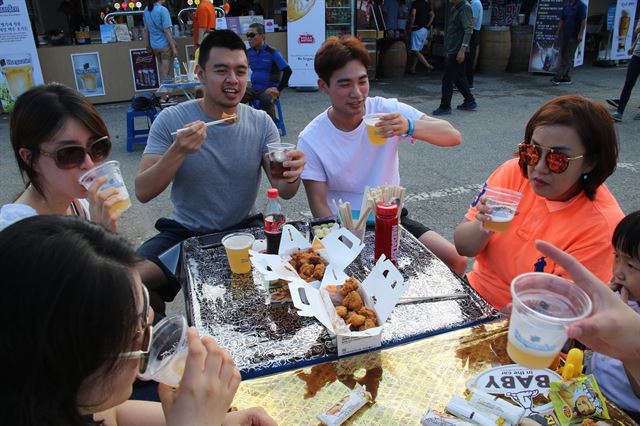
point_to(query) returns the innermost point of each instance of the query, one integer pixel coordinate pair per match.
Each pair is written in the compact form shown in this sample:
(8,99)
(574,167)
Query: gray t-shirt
(215,187)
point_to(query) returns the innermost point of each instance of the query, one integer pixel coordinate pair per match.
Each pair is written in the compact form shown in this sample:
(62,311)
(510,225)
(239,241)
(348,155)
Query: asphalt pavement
(440,182)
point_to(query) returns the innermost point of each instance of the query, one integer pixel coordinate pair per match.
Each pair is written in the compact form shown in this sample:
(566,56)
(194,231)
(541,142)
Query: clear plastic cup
(110,169)
(544,305)
(373,132)
(168,351)
(277,156)
(237,246)
(504,204)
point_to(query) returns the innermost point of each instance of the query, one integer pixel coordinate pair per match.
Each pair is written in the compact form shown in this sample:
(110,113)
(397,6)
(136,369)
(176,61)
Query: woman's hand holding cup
(101,204)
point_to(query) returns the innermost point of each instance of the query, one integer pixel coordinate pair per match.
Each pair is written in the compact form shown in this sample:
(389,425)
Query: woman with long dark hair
(75,324)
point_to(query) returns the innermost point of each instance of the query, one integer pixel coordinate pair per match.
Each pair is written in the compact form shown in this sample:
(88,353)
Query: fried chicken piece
(351,284)
(369,314)
(368,323)
(318,272)
(306,271)
(353,301)
(341,311)
(355,320)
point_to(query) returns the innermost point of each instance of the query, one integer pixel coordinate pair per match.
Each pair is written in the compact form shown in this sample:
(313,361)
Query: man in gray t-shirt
(214,171)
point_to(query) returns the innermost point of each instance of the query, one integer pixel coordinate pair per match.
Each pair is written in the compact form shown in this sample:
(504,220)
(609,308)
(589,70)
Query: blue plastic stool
(138,136)
(278,119)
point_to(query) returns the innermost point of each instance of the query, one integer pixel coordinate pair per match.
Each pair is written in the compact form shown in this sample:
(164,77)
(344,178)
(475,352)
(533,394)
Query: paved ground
(440,182)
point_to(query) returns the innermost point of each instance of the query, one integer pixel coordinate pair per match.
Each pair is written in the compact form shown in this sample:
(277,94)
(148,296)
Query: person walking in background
(157,28)
(203,20)
(456,43)
(633,69)
(570,31)
(391,10)
(421,17)
(476,22)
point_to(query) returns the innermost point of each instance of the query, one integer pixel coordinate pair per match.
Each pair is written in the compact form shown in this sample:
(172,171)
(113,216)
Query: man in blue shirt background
(157,25)
(570,31)
(269,71)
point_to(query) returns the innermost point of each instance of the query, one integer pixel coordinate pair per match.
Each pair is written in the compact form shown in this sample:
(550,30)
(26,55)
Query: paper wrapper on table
(338,249)
(380,291)
(339,412)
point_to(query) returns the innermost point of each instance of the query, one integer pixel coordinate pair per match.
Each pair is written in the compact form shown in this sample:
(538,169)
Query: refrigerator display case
(339,17)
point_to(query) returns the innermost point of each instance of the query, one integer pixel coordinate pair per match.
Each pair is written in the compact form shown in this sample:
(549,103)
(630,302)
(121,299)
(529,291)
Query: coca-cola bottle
(386,231)
(274,220)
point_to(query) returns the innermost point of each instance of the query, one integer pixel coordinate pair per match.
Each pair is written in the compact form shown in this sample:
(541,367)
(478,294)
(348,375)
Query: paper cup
(544,305)
(237,246)
(168,351)
(504,204)
(110,169)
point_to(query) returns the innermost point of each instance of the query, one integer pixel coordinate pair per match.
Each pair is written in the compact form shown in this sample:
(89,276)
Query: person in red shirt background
(204,19)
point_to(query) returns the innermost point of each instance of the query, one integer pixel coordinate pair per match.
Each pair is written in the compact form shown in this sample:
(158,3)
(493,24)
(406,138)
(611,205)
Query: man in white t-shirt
(340,159)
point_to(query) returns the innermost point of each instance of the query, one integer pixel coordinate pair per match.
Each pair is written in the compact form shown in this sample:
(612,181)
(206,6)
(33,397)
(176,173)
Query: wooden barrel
(521,39)
(495,48)
(370,45)
(394,60)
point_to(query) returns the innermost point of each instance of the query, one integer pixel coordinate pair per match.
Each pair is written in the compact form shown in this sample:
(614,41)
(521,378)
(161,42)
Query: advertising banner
(88,73)
(19,63)
(305,34)
(145,70)
(545,49)
(622,38)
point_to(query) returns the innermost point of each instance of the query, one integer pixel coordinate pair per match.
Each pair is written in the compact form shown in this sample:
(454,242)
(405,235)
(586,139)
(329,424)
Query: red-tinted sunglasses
(68,157)
(557,162)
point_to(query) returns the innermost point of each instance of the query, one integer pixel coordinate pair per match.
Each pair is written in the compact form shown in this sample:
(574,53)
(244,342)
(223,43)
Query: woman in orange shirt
(570,148)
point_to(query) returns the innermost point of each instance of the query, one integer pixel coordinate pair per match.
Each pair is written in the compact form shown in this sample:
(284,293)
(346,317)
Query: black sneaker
(467,106)
(555,81)
(565,81)
(616,116)
(442,111)
(613,102)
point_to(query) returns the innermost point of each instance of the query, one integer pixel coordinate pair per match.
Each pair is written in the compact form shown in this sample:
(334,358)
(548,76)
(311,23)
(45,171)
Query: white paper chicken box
(338,249)
(380,292)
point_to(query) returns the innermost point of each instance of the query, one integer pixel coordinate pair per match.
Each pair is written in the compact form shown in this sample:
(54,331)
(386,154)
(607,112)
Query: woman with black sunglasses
(57,135)
(72,314)
(570,148)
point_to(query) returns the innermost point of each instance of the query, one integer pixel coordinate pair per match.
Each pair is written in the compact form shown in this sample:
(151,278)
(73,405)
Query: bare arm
(432,16)
(429,129)
(470,238)
(412,19)
(172,42)
(583,24)
(147,37)
(201,32)
(317,197)
(139,412)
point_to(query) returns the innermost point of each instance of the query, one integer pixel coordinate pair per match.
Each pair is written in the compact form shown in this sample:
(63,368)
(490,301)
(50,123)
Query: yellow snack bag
(578,399)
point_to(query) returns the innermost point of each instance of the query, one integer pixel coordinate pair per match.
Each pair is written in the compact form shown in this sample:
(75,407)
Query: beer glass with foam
(237,246)
(544,305)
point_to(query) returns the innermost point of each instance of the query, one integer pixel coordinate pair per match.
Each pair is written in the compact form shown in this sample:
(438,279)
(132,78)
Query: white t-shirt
(346,161)
(12,213)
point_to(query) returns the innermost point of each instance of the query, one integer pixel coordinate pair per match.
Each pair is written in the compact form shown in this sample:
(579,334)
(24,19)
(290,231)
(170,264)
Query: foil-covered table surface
(265,339)
(405,381)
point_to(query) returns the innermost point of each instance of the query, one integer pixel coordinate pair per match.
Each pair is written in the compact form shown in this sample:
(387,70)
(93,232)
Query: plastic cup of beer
(544,305)
(237,246)
(277,156)
(168,351)
(110,169)
(503,204)
(373,132)
(17,70)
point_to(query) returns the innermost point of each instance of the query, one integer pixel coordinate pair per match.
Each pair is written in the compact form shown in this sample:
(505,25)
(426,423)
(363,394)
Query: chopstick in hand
(211,123)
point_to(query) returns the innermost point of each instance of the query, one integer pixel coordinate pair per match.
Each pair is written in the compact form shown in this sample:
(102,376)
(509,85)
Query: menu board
(505,12)
(19,64)
(622,37)
(88,73)
(144,69)
(545,54)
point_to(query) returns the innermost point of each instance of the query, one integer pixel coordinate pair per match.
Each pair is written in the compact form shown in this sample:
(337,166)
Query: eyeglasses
(252,35)
(68,157)
(147,336)
(556,161)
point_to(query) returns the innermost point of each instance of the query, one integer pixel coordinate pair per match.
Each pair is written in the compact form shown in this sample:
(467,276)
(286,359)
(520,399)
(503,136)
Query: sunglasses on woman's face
(557,161)
(68,157)
(147,335)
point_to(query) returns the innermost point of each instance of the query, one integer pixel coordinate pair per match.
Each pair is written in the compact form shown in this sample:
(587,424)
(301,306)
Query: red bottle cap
(386,209)
(273,193)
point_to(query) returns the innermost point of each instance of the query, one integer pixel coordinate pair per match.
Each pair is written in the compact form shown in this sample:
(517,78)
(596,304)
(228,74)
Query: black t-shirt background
(423,9)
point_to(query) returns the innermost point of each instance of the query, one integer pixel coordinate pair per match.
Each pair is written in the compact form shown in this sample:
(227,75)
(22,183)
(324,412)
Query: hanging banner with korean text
(622,37)
(305,35)
(145,70)
(19,63)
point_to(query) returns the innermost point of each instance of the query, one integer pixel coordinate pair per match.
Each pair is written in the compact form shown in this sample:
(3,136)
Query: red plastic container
(386,231)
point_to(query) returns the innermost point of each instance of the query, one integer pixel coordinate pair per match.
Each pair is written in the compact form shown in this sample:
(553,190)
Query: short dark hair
(258,26)
(626,237)
(225,39)
(40,113)
(593,124)
(68,310)
(336,52)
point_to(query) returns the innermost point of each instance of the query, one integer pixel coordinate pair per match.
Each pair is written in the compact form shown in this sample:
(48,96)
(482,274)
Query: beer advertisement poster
(145,70)
(622,37)
(545,51)
(305,35)
(19,63)
(88,73)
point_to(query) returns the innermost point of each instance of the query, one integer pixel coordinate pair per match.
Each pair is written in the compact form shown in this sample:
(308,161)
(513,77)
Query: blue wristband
(411,128)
